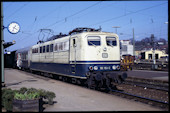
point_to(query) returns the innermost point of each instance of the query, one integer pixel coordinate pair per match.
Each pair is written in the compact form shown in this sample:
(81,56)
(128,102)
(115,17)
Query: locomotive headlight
(91,68)
(113,67)
(95,68)
(118,67)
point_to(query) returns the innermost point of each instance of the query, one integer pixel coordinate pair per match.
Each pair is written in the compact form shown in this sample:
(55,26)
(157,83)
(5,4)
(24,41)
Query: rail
(154,92)
(145,98)
(148,83)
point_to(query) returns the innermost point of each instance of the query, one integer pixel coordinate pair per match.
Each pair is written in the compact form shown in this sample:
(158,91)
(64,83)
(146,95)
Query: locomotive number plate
(104,55)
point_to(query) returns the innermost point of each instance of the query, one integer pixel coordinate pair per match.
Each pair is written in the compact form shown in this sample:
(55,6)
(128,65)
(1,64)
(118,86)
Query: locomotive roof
(62,37)
(82,33)
(86,30)
(96,33)
(76,31)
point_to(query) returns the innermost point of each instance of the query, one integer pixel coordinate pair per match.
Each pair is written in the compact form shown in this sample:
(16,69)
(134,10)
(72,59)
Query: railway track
(153,92)
(154,102)
(145,98)
(148,83)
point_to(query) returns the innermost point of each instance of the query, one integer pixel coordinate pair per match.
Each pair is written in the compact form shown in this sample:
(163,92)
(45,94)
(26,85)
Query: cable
(8,6)
(84,9)
(98,9)
(20,39)
(127,14)
(141,13)
(72,14)
(50,12)
(19,9)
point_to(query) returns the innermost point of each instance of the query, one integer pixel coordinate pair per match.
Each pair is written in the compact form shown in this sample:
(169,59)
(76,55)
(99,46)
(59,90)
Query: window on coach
(51,48)
(47,48)
(40,49)
(43,49)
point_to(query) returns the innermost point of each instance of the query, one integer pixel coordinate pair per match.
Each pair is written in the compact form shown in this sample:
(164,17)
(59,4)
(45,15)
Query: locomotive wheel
(105,87)
(91,83)
(80,82)
(99,85)
(64,79)
(69,80)
(30,70)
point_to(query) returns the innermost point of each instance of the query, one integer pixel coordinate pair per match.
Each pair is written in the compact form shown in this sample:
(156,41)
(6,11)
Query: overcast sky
(146,17)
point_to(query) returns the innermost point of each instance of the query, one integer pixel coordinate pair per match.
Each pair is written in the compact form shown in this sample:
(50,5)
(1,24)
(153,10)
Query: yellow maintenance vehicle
(127,61)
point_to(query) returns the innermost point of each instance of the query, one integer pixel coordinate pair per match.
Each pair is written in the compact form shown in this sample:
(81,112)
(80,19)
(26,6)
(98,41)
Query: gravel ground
(145,92)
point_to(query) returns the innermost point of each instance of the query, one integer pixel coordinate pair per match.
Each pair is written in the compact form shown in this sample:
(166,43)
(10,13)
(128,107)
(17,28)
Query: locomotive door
(73,54)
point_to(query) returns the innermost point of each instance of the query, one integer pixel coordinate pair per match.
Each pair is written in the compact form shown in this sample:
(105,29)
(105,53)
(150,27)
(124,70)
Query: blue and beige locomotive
(86,55)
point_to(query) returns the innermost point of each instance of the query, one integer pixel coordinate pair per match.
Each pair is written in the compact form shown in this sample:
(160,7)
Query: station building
(148,54)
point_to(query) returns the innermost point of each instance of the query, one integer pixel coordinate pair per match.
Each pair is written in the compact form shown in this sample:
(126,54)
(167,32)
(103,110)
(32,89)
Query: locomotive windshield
(111,41)
(93,40)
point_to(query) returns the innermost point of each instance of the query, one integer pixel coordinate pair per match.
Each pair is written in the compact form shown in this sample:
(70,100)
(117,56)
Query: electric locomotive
(86,55)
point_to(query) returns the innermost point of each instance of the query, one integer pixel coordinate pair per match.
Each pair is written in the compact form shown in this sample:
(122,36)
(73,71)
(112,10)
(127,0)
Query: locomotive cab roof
(83,29)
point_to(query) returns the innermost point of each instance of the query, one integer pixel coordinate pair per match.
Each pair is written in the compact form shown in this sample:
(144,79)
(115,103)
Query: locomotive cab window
(93,40)
(111,41)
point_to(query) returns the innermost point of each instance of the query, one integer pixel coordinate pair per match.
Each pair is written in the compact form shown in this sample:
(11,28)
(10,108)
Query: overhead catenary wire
(107,6)
(64,19)
(127,14)
(27,37)
(50,12)
(138,12)
(19,9)
(8,5)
